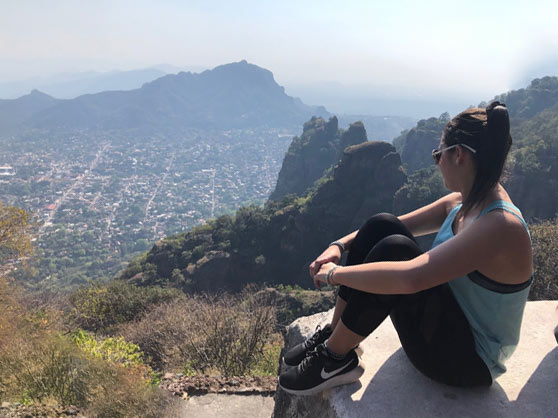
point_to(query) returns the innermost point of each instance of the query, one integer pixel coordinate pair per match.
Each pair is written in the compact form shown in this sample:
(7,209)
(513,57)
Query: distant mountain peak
(243,71)
(38,93)
(233,95)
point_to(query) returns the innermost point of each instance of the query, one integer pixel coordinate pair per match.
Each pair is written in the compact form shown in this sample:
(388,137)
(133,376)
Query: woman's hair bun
(497,120)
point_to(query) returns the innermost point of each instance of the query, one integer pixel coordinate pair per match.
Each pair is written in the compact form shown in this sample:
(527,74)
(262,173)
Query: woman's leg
(432,328)
(372,231)
(437,338)
(364,312)
(340,305)
(335,362)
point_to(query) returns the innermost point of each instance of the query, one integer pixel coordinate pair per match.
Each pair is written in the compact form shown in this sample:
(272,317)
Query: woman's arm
(428,219)
(477,247)
(425,220)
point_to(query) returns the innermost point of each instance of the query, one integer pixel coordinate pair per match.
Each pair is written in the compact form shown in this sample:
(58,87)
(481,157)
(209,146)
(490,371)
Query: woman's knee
(382,225)
(395,247)
(383,218)
(372,231)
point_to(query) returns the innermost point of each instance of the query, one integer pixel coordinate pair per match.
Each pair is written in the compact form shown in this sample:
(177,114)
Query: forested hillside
(532,169)
(274,244)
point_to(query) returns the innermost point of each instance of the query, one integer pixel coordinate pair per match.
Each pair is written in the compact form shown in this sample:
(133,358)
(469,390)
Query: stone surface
(201,385)
(391,387)
(231,406)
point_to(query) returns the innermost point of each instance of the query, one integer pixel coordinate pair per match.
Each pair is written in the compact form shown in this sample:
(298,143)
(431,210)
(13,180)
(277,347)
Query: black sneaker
(318,372)
(296,354)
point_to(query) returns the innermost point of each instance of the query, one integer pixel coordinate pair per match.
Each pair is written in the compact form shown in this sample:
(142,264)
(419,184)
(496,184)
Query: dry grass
(227,333)
(40,365)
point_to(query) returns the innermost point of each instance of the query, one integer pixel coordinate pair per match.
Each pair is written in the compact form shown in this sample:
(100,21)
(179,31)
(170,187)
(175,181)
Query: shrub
(228,333)
(267,362)
(16,230)
(123,392)
(545,247)
(42,365)
(115,350)
(99,307)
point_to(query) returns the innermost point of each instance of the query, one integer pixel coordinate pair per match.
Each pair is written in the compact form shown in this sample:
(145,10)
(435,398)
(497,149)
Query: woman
(457,308)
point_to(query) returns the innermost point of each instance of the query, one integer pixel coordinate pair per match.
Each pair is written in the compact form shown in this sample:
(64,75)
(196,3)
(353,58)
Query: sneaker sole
(343,379)
(359,351)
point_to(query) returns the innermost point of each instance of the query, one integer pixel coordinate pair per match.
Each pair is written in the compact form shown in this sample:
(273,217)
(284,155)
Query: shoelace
(309,359)
(314,338)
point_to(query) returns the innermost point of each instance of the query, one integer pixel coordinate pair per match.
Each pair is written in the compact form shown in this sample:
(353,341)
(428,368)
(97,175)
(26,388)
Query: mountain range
(236,95)
(71,85)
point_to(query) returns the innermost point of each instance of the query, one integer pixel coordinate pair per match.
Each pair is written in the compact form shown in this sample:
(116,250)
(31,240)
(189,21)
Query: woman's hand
(331,254)
(320,276)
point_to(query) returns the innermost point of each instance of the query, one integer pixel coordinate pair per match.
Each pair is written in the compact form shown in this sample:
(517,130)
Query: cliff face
(310,155)
(416,145)
(275,244)
(364,183)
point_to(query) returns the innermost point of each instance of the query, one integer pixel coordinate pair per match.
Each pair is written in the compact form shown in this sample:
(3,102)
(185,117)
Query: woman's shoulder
(504,206)
(506,219)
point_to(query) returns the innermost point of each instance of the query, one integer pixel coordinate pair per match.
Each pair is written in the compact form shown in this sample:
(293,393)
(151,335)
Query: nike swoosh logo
(326,375)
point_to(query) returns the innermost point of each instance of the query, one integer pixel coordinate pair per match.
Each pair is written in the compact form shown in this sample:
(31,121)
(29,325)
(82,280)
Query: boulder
(392,387)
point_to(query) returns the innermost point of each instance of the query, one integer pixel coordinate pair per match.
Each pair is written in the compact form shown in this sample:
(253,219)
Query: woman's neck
(494,194)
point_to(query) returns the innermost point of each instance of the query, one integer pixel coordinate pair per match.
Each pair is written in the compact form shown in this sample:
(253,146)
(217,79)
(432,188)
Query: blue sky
(468,48)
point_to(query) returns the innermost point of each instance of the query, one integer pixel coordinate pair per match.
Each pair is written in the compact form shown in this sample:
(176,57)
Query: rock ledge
(391,387)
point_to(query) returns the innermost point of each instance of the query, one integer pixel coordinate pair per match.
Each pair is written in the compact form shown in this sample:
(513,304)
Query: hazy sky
(474,48)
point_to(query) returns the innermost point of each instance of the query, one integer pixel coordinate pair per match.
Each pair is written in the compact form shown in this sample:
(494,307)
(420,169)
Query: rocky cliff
(416,144)
(309,156)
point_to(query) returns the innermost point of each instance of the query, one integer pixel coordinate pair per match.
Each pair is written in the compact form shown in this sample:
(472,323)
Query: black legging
(431,326)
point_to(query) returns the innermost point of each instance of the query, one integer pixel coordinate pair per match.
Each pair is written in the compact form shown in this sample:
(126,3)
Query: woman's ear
(459,155)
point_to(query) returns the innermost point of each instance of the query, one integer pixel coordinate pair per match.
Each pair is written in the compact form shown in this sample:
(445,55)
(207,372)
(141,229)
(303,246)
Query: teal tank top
(494,310)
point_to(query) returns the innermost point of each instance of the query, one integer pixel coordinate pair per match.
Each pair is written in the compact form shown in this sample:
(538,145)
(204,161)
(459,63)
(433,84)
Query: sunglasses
(437,153)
